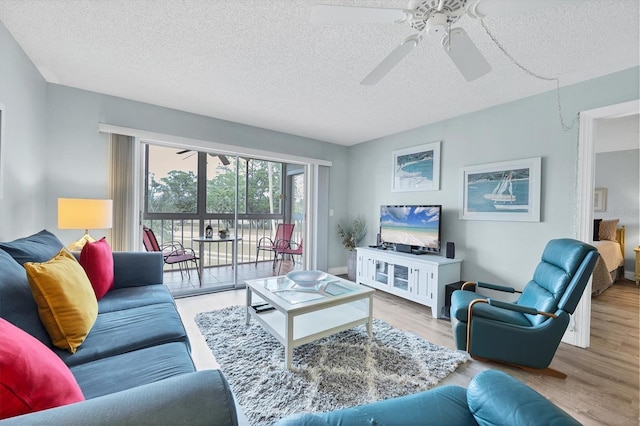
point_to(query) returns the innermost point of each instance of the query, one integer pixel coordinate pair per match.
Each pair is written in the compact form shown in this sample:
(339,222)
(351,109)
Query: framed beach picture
(416,168)
(507,191)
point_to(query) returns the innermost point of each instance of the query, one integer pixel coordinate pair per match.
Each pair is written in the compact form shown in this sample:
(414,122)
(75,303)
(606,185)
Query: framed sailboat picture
(416,168)
(506,191)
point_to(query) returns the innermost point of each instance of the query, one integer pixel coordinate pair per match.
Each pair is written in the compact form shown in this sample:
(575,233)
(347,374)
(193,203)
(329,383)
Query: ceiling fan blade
(324,13)
(391,60)
(224,160)
(184,151)
(481,8)
(465,55)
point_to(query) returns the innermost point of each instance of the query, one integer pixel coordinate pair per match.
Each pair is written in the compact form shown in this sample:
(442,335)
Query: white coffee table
(301,315)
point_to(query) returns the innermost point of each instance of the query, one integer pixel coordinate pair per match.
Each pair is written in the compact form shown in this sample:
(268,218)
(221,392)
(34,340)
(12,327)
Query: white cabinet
(421,278)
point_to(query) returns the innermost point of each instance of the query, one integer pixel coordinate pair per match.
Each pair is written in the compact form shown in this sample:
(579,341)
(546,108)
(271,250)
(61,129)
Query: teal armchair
(525,333)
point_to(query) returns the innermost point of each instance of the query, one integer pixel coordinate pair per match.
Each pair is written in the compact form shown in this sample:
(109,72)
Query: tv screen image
(415,226)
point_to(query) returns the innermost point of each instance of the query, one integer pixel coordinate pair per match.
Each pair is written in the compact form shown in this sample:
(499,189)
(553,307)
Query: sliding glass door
(190,194)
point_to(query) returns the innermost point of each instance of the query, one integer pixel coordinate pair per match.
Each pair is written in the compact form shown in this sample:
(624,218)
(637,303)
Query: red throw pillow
(97,260)
(32,377)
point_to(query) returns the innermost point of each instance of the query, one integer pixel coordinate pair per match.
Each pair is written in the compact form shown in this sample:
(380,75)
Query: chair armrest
(172,245)
(469,284)
(133,269)
(518,308)
(179,251)
(293,245)
(497,287)
(265,238)
(199,398)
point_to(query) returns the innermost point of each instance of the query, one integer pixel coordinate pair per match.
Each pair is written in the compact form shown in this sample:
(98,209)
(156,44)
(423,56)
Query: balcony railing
(220,254)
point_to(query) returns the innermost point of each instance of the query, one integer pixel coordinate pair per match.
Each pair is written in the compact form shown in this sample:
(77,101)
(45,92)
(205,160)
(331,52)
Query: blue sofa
(135,365)
(492,398)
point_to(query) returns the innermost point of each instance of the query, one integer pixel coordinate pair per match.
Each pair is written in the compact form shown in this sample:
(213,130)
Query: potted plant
(352,232)
(223,233)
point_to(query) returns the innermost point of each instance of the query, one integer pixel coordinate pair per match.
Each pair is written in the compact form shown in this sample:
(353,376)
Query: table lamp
(83,213)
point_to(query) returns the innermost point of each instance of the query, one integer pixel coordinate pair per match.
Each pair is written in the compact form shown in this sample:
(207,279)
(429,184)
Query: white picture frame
(416,168)
(600,200)
(504,191)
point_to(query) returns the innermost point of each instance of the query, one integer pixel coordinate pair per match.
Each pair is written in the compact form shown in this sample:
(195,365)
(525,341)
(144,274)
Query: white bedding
(610,253)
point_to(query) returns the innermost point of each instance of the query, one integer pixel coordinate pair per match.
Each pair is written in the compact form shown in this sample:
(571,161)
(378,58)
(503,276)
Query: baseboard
(630,275)
(340,270)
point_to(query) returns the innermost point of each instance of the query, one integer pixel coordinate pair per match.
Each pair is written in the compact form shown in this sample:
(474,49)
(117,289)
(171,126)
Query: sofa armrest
(496,398)
(203,397)
(133,269)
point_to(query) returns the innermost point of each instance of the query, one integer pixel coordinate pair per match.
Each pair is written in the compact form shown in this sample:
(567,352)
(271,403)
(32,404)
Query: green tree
(221,190)
(262,184)
(264,189)
(175,193)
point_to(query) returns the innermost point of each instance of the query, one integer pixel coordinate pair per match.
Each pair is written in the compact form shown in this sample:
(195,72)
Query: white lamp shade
(83,213)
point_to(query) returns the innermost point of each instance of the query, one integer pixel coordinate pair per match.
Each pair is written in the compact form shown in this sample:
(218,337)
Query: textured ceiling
(261,62)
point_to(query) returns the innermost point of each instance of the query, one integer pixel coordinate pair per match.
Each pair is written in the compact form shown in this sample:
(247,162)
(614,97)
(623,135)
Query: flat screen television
(414,226)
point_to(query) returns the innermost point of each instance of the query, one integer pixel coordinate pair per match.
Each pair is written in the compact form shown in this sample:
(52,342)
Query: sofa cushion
(16,300)
(128,330)
(33,378)
(151,364)
(134,297)
(38,247)
(97,261)
(66,303)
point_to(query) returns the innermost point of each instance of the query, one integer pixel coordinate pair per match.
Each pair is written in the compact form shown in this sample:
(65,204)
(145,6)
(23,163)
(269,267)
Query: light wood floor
(603,385)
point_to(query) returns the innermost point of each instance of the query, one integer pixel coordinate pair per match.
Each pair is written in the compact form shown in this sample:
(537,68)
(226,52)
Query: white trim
(208,146)
(580,328)
(311,217)
(3,143)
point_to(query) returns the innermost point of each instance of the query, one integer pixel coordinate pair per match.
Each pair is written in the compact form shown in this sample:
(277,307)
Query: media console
(418,278)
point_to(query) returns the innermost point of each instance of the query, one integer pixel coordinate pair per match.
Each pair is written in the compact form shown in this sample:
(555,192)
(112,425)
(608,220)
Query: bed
(609,240)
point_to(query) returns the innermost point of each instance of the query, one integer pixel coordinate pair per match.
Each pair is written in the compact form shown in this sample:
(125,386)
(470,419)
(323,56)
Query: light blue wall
(78,160)
(53,149)
(23,92)
(500,252)
(618,172)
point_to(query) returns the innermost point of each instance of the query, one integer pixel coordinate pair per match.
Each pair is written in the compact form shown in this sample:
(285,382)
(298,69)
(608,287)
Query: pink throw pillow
(32,377)
(97,260)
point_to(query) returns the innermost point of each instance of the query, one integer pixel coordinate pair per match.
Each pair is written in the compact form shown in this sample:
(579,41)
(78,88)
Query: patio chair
(276,245)
(174,253)
(292,249)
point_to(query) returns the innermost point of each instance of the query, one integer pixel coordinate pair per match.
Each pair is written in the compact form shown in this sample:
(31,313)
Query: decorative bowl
(307,278)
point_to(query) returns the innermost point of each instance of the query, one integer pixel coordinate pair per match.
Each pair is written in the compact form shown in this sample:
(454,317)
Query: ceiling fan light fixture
(437,24)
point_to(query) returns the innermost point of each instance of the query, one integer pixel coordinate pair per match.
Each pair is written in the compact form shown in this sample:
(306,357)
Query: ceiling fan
(433,17)
(223,158)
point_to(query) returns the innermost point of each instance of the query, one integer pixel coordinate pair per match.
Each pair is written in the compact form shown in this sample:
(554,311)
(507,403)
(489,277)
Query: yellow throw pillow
(66,302)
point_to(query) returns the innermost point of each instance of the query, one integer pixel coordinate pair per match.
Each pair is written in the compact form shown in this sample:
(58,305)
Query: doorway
(579,331)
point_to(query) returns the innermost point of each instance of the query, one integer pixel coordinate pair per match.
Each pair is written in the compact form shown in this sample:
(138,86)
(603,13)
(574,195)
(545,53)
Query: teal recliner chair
(493,398)
(525,333)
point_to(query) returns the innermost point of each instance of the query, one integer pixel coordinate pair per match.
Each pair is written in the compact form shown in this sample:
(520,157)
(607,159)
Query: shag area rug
(339,371)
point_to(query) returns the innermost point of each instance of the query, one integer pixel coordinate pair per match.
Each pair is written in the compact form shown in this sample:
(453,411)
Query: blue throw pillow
(16,302)
(39,247)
